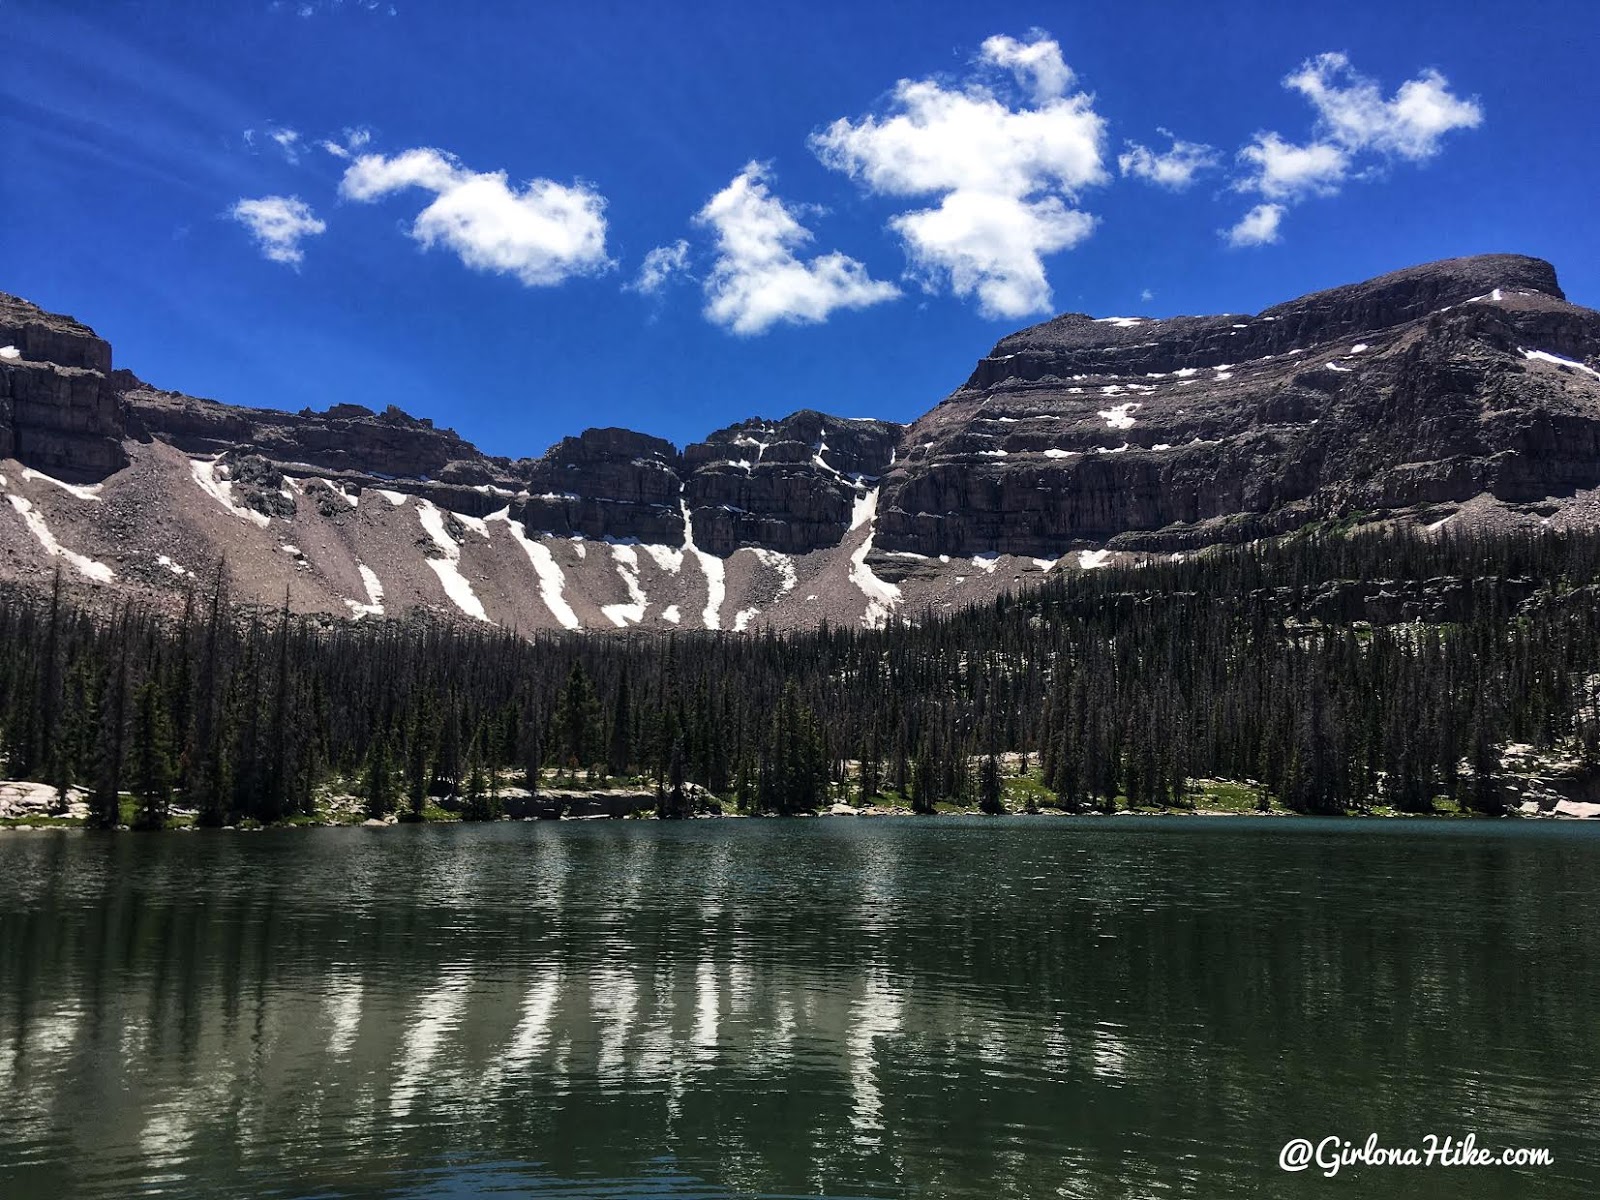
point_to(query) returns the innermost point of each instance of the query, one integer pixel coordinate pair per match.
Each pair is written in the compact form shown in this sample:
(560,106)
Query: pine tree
(105,805)
(417,761)
(150,763)
(377,781)
(619,756)
(989,793)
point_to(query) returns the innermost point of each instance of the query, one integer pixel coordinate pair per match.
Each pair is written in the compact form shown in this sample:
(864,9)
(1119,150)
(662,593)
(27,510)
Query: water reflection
(760,1008)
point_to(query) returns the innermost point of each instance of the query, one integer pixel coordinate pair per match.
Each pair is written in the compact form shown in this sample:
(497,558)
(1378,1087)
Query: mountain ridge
(1459,391)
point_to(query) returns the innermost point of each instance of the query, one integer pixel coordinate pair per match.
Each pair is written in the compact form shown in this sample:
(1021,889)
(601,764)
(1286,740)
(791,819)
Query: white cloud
(1281,171)
(351,141)
(543,234)
(758,280)
(660,266)
(1006,175)
(1037,63)
(1147,295)
(288,141)
(1174,170)
(1258,227)
(990,244)
(278,223)
(1351,109)
(1353,122)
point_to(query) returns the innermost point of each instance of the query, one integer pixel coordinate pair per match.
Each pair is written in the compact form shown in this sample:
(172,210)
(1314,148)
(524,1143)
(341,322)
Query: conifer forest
(1337,671)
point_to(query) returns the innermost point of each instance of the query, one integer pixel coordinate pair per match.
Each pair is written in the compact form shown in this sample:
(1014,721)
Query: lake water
(853,1008)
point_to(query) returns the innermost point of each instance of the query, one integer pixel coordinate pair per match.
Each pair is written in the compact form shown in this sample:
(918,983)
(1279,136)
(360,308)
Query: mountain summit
(1455,394)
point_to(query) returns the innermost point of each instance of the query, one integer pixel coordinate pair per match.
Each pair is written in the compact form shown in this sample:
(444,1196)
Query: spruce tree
(150,765)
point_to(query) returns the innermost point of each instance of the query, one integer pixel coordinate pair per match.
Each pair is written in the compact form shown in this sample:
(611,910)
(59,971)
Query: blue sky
(848,203)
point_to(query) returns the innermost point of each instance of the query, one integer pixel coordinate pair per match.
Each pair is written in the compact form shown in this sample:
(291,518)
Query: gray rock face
(345,438)
(57,411)
(605,483)
(1410,389)
(45,337)
(788,485)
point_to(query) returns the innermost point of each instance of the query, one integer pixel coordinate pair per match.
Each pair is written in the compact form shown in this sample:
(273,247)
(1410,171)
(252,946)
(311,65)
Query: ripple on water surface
(955,1008)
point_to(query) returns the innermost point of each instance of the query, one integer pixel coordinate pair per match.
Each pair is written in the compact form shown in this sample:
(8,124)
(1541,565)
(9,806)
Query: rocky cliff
(58,410)
(1459,392)
(1432,385)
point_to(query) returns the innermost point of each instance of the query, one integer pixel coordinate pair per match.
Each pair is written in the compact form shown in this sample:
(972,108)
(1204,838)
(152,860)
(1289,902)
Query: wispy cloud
(1354,125)
(758,279)
(306,9)
(278,224)
(542,234)
(350,140)
(660,266)
(1174,169)
(1258,227)
(287,141)
(1006,160)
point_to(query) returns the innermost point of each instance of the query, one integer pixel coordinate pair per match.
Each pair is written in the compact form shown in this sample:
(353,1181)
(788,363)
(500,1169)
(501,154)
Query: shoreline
(27,806)
(44,823)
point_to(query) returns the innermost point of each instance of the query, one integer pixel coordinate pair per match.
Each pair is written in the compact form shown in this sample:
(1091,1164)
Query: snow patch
(1056,452)
(552,579)
(668,558)
(817,459)
(448,567)
(1333,366)
(670,613)
(742,618)
(477,524)
(81,491)
(782,564)
(1556,359)
(204,471)
(1360,348)
(175,568)
(1118,417)
(881,597)
(394,498)
(1120,322)
(10,352)
(632,612)
(865,507)
(374,605)
(1090,559)
(714,569)
(87,566)
(986,562)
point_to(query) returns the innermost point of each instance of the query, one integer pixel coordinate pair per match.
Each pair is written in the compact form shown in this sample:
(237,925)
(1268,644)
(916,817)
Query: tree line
(1122,685)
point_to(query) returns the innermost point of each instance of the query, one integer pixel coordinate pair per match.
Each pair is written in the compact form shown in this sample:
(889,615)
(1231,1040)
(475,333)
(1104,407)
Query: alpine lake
(1121,1007)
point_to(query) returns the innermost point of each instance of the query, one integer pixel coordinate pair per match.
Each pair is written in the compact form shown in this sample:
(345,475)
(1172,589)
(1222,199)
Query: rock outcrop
(789,486)
(58,411)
